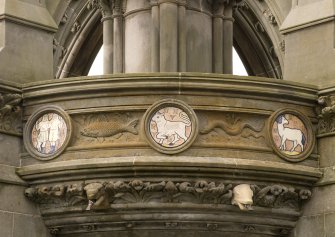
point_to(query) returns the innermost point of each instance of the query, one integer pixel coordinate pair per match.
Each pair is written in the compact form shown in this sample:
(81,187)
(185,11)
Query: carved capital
(218,7)
(106,8)
(119,7)
(153,2)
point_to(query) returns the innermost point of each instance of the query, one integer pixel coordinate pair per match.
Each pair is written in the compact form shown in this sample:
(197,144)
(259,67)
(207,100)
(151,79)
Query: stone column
(118,36)
(154,36)
(218,9)
(168,32)
(182,36)
(107,20)
(228,21)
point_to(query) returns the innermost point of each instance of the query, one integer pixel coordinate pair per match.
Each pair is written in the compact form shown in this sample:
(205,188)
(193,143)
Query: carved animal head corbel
(97,196)
(242,197)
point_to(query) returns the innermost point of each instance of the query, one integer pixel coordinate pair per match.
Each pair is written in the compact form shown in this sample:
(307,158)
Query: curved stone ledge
(175,83)
(170,166)
(221,218)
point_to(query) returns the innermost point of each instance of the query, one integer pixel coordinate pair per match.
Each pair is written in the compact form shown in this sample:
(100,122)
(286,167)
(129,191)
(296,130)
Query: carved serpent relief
(106,126)
(100,195)
(234,125)
(10,113)
(234,128)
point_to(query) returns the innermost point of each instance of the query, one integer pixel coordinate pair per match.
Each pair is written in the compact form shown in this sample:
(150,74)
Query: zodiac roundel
(170,126)
(291,135)
(47,133)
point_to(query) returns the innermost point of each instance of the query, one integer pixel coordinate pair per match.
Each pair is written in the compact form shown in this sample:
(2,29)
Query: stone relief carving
(64,18)
(242,197)
(76,27)
(326,113)
(233,128)
(92,4)
(277,196)
(259,27)
(10,113)
(243,6)
(270,17)
(103,126)
(282,46)
(100,195)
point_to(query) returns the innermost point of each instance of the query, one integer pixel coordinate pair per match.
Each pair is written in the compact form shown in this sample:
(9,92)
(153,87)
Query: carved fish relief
(103,129)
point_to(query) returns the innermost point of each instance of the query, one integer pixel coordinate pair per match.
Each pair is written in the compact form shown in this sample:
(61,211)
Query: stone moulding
(170,166)
(183,83)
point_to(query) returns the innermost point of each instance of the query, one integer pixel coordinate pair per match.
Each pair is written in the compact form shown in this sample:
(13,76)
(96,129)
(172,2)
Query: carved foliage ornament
(326,114)
(10,113)
(100,195)
(47,133)
(291,135)
(170,126)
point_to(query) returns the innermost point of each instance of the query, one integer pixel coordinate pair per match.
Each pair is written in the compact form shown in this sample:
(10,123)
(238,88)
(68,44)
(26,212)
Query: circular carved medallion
(170,126)
(291,135)
(47,133)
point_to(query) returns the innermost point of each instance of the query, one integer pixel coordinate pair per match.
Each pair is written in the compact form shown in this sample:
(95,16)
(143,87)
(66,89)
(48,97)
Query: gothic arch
(256,37)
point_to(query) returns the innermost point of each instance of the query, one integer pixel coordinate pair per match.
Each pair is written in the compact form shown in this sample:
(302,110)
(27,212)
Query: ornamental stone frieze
(102,195)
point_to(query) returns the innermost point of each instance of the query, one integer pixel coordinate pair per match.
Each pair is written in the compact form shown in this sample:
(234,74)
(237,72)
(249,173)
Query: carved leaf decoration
(201,192)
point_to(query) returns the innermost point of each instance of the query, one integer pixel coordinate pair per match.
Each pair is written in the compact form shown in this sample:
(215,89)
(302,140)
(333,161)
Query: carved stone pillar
(168,11)
(218,10)
(182,36)
(118,36)
(107,19)
(154,36)
(228,21)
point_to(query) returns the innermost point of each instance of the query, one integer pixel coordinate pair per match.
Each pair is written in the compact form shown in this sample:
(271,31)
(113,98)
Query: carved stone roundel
(47,133)
(170,126)
(291,135)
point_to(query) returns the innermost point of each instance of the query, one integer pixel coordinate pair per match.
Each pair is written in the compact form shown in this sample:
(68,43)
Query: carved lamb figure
(242,197)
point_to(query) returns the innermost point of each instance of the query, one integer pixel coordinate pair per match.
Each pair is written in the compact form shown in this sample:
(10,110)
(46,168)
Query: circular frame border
(31,122)
(307,151)
(170,103)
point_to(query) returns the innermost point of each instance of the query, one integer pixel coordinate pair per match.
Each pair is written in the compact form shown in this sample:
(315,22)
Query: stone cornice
(9,176)
(174,166)
(182,83)
(16,11)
